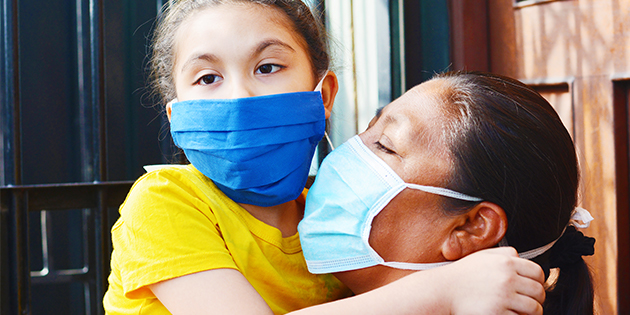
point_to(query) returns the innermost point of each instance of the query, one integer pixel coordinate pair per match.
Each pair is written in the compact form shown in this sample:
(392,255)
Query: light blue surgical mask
(257,150)
(352,186)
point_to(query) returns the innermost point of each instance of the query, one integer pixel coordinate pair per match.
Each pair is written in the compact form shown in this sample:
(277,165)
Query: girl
(220,235)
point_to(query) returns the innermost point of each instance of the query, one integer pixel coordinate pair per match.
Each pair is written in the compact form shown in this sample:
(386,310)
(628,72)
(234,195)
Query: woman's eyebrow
(379,111)
(389,119)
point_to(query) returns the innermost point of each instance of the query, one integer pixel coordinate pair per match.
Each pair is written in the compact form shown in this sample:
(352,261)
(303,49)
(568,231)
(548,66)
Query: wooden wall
(577,54)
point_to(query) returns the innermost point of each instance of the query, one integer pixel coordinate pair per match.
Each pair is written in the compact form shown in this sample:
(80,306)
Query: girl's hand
(494,281)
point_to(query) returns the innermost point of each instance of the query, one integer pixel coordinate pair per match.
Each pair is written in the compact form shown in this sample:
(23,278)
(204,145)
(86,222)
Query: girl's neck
(285,217)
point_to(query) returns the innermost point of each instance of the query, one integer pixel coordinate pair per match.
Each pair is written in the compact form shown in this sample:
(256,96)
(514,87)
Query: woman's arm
(493,281)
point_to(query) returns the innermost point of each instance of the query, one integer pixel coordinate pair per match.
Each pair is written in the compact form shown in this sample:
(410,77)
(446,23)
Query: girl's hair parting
(511,148)
(175,12)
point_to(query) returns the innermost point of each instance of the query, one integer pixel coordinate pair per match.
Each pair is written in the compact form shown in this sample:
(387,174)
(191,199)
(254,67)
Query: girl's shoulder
(174,190)
(173,174)
(174,182)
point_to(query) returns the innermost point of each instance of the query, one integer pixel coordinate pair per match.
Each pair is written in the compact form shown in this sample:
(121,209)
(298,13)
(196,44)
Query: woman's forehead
(419,116)
(423,102)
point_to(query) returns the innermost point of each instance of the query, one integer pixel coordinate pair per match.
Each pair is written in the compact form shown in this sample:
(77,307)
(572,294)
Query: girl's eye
(268,68)
(383,148)
(208,79)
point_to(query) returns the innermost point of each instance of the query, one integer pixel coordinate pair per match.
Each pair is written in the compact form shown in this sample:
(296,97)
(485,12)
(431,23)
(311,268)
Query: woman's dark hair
(510,148)
(163,56)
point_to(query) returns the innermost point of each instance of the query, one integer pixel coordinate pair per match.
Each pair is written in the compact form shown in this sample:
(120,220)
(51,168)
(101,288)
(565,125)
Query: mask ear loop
(318,88)
(332,147)
(579,214)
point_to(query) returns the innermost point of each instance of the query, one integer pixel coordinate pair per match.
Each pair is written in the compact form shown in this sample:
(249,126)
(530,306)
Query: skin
(407,135)
(269,58)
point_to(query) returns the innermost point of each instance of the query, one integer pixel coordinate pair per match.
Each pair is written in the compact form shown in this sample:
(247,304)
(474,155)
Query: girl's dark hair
(162,59)
(510,148)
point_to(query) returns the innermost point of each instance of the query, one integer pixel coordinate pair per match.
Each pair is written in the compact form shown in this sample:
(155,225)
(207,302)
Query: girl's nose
(241,89)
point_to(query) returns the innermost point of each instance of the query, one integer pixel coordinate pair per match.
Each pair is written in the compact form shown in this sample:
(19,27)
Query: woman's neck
(285,217)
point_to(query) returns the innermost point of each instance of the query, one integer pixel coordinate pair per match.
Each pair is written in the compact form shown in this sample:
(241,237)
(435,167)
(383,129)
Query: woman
(463,162)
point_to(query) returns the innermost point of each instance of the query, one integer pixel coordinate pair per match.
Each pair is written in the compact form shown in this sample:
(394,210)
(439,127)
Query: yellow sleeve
(165,231)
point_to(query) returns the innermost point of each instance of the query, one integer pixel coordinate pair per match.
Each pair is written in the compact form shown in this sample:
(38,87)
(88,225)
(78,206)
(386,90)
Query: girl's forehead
(235,23)
(245,15)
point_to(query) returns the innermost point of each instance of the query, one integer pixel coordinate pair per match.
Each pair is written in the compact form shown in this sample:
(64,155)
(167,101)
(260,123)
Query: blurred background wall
(76,118)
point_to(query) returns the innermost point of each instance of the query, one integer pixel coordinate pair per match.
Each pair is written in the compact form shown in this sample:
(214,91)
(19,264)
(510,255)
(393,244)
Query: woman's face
(408,136)
(239,50)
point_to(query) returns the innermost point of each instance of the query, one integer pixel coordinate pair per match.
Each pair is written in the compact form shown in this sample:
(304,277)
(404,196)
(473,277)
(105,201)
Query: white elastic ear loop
(332,147)
(578,214)
(318,88)
(374,211)
(443,192)
(414,266)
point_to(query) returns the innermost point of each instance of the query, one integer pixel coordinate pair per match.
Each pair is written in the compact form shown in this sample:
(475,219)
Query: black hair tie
(570,248)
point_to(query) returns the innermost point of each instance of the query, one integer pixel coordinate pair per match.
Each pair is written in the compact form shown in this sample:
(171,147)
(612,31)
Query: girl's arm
(493,281)
(218,291)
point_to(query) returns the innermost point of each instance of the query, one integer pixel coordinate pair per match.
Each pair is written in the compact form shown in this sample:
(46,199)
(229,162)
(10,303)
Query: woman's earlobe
(480,228)
(330,87)
(452,249)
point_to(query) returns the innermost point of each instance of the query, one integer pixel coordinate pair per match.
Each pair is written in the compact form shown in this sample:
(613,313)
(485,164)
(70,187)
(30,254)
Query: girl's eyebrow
(196,58)
(268,43)
(256,51)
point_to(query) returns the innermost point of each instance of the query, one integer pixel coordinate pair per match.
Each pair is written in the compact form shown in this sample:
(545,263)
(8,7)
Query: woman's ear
(330,87)
(481,227)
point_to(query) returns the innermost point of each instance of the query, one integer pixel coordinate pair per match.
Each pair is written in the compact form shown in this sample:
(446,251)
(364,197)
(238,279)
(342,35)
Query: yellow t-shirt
(175,222)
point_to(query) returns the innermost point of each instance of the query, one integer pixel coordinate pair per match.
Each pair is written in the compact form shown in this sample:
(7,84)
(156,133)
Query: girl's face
(407,135)
(239,50)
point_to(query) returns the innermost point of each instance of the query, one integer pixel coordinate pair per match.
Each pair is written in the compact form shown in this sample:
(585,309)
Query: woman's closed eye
(208,79)
(268,68)
(383,148)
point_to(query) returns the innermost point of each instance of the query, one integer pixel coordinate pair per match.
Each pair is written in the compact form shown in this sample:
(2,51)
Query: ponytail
(572,292)
(510,147)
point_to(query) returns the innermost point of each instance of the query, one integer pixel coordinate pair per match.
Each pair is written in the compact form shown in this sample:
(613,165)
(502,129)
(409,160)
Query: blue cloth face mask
(257,150)
(352,186)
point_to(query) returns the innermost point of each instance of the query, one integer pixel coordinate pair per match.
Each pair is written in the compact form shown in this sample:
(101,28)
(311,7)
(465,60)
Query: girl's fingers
(529,269)
(532,289)
(522,304)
